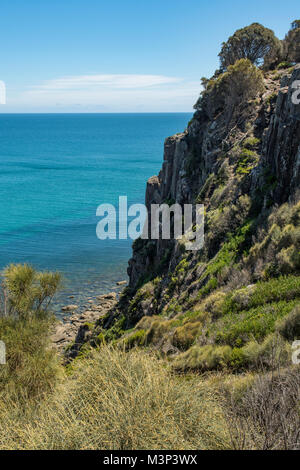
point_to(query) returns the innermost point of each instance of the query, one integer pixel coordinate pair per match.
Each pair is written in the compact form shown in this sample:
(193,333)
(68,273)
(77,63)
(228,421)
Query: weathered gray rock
(69,308)
(282,140)
(204,143)
(105,297)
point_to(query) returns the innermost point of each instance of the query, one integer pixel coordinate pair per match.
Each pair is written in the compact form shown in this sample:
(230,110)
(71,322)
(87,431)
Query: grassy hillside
(197,353)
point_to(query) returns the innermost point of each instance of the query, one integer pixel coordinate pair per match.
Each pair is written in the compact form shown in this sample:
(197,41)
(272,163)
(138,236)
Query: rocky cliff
(222,306)
(196,161)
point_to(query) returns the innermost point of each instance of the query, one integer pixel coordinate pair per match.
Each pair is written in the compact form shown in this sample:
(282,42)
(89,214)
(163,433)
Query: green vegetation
(255,43)
(138,338)
(277,250)
(247,156)
(247,161)
(31,368)
(26,290)
(291,43)
(229,251)
(251,143)
(203,358)
(196,355)
(284,288)
(238,327)
(289,327)
(271,98)
(284,65)
(206,189)
(240,83)
(114,332)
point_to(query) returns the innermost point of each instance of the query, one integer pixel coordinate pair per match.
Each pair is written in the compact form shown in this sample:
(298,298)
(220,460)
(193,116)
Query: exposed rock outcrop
(281,145)
(196,155)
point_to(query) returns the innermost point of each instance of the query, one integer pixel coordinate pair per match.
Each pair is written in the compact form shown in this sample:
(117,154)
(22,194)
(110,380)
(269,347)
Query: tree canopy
(292,42)
(295,24)
(254,42)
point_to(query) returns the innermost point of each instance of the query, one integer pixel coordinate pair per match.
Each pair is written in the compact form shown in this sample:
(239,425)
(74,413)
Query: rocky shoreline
(66,330)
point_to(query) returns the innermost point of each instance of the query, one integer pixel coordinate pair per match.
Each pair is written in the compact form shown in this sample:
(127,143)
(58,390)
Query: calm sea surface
(55,169)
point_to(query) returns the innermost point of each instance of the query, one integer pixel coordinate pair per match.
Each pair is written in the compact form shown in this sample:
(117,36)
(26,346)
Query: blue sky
(120,55)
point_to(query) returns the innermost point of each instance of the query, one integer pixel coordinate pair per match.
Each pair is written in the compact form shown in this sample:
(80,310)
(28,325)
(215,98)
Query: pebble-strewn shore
(65,331)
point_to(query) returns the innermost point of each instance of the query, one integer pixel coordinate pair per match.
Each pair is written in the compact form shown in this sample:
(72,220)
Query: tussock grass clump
(119,400)
(289,327)
(137,338)
(203,358)
(32,367)
(184,336)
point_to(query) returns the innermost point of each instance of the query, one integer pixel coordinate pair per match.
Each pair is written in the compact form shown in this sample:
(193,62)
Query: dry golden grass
(118,400)
(32,368)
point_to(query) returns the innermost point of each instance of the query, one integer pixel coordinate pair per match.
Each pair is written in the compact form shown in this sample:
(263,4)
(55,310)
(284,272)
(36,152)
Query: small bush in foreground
(267,416)
(32,367)
(26,291)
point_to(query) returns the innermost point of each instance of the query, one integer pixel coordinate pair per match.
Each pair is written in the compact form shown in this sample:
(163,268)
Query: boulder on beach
(69,308)
(110,296)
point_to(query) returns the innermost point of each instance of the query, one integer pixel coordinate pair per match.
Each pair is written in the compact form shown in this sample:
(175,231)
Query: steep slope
(240,157)
(215,162)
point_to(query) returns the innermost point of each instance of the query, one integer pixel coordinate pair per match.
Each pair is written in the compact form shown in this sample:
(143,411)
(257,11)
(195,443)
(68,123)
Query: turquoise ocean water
(55,169)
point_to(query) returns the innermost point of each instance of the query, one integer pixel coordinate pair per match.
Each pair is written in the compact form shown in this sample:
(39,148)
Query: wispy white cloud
(110,93)
(108,81)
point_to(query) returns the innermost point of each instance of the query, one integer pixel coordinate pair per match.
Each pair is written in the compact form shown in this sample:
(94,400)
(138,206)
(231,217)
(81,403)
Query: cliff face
(281,143)
(222,306)
(211,145)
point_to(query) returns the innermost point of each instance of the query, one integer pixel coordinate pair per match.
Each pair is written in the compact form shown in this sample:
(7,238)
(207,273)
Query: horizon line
(100,112)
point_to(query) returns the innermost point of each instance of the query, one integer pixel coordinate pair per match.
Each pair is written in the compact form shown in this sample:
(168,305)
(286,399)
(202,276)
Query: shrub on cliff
(277,250)
(255,43)
(291,43)
(232,89)
(289,327)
